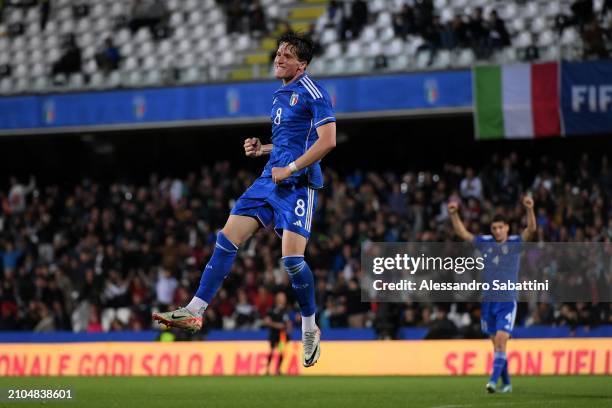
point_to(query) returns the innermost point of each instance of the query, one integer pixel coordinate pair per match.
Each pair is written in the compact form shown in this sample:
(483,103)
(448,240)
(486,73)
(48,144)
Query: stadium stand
(180,42)
(96,257)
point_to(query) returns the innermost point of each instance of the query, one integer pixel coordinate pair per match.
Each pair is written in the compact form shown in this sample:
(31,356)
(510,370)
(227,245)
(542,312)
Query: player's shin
(499,362)
(504,374)
(302,282)
(216,270)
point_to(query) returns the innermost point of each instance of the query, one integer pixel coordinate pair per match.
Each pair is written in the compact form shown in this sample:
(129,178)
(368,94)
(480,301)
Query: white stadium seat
(546,38)
(6,86)
(368,35)
(570,36)
(466,58)
(373,49)
(336,66)
(197,39)
(395,47)
(525,39)
(333,51)
(354,49)
(442,59)
(384,19)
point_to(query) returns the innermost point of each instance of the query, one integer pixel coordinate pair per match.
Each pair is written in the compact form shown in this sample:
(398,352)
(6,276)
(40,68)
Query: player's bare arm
(530,230)
(324,145)
(254,148)
(460,230)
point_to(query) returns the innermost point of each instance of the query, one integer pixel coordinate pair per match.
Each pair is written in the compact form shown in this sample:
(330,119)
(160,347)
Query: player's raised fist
(252,147)
(528,202)
(453,207)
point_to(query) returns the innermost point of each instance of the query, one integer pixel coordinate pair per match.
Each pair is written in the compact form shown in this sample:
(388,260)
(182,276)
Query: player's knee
(234,236)
(293,264)
(500,341)
(231,240)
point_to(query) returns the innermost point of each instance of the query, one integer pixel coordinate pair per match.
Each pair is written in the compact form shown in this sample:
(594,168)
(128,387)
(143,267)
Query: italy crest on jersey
(294,99)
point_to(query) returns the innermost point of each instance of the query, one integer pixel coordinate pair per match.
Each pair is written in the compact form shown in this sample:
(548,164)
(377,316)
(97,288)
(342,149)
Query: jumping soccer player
(303,132)
(501,253)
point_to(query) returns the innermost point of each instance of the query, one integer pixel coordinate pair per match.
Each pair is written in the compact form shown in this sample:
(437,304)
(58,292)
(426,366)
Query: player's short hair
(301,43)
(499,218)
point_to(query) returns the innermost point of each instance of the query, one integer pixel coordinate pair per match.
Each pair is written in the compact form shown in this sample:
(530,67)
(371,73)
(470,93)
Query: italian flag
(516,101)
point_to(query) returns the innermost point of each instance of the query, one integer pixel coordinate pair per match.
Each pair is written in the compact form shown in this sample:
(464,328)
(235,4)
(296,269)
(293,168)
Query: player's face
(500,231)
(286,63)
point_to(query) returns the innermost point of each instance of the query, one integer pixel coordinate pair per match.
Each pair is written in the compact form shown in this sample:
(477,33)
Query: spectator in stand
(388,320)
(442,327)
(606,8)
(404,22)
(234,15)
(460,30)
(498,34)
(147,13)
(70,61)
(94,325)
(593,39)
(18,194)
(108,57)
(359,17)
(433,40)
(46,322)
(45,10)
(380,62)
(244,313)
(582,13)
(334,14)
(532,53)
(423,14)
(471,186)
(477,31)
(165,288)
(257,18)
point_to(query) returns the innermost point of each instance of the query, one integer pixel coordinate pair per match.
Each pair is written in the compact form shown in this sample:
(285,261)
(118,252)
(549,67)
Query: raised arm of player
(254,148)
(531,219)
(324,145)
(460,230)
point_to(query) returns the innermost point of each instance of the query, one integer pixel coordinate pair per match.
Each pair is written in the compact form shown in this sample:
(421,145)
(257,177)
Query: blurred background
(123,124)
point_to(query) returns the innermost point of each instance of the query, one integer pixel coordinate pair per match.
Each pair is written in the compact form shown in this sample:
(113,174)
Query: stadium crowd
(93,257)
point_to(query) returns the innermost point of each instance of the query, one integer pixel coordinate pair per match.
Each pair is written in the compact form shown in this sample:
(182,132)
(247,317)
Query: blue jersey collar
(293,84)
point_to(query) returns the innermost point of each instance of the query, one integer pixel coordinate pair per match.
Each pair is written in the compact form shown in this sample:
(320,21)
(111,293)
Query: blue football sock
(504,374)
(498,365)
(302,282)
(217,268)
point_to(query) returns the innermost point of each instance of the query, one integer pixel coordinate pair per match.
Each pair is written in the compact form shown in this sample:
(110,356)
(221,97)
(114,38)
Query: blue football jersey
(298,109)
(502,263)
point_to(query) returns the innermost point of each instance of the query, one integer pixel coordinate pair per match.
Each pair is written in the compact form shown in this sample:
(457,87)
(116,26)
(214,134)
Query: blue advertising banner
(586,97)
(229,103)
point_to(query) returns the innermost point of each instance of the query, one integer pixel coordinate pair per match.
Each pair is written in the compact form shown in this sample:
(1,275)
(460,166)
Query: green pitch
(293,392)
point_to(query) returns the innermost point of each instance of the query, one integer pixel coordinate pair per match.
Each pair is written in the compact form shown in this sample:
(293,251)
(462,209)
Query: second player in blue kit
(283,197)
(501,253)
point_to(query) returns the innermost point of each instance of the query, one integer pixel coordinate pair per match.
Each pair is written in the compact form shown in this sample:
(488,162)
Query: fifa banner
(586,97)
(542,100)
(421,357)
(247,102)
